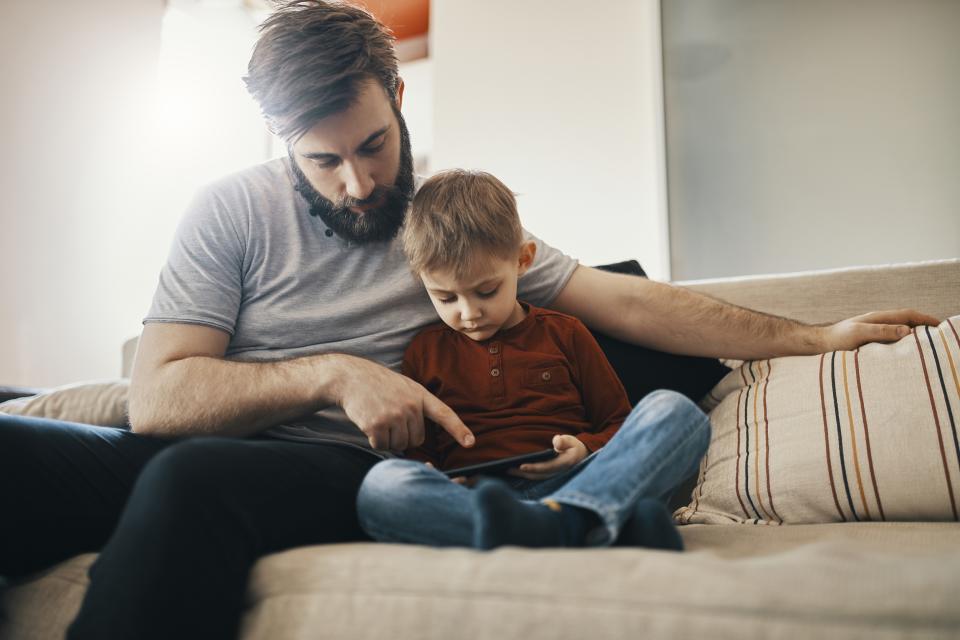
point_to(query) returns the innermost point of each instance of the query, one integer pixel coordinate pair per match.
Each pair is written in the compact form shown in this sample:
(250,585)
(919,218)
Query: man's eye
(373,150)
(325,164)
(488,294)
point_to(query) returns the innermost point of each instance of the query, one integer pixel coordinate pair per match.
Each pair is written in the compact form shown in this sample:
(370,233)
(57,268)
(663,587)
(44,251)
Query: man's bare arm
(678,320)
(181,386)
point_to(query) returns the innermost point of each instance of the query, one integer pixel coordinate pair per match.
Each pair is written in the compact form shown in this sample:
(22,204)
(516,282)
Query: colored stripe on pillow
(847,436)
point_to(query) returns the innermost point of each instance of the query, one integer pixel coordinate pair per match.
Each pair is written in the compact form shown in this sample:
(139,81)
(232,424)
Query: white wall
(105,140)
(561,100)
(418,110)
(811,134)
(76,78)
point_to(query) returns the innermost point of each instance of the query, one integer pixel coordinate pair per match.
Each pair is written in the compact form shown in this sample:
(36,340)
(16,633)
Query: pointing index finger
(447,419)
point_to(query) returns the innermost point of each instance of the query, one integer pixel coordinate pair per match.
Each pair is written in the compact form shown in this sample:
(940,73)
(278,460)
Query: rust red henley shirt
(544,376)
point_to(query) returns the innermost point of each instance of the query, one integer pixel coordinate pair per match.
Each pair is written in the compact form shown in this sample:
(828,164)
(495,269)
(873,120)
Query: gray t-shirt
(248,258)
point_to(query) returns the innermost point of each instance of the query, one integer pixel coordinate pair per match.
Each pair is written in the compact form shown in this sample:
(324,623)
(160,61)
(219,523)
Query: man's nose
(358,183)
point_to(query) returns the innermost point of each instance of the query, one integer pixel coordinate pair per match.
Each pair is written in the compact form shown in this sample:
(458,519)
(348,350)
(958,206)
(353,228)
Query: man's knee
(185,475)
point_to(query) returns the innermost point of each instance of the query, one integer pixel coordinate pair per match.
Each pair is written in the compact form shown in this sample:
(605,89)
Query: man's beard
(377,224)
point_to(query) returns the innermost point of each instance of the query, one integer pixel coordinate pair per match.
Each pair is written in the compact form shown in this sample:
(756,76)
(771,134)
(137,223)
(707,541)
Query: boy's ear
(528,251)
(399,93)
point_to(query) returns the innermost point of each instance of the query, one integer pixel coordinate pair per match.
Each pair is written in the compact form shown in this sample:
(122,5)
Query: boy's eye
(448,299)
(488,294)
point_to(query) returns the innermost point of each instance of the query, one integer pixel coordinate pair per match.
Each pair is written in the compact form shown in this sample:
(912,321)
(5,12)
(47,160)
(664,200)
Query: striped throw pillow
(847,436)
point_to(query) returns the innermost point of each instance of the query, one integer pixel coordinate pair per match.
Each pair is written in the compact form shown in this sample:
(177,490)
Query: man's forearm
(682,321)
(677,320)
(211,396)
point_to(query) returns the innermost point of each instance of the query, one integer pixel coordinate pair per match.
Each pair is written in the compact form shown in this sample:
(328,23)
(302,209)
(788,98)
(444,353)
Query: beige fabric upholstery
(839,586)
(827,296)
(876,580)
(102,403)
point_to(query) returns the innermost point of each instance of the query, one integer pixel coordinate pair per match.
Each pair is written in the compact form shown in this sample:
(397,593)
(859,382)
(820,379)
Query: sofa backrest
(827,296)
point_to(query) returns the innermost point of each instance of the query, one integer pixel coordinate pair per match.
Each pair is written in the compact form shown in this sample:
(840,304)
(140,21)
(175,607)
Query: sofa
(751,579)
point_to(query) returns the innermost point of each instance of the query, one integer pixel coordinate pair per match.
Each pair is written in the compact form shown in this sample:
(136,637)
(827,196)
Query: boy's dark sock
(502,519)
(651,526)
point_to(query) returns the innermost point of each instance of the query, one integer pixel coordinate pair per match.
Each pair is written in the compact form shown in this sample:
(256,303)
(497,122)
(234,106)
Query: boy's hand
(390,408)
(468,482)
(569,450)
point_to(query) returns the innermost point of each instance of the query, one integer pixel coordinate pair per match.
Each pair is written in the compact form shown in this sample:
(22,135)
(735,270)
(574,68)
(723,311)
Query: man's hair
(457,217)
(311,60)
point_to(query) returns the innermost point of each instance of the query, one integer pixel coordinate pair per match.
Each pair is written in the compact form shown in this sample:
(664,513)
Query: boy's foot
(650,526)
(502,519)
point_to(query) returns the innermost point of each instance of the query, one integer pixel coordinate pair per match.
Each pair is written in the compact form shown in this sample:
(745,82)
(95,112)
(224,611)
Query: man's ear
(399,92)
(528,251)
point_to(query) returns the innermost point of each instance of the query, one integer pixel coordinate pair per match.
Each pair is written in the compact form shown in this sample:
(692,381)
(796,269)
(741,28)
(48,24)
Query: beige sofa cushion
(867,580)
(102,403)
(846,436)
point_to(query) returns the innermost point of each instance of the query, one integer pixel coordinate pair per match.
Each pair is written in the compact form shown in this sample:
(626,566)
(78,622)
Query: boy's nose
(470,312)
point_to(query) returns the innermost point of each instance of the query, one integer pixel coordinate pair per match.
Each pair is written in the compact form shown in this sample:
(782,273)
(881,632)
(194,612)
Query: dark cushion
(644,370)
(11,393)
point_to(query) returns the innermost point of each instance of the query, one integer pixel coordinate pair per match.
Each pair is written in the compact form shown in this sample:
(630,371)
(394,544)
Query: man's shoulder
(251,196)
(265,173)
(270,179)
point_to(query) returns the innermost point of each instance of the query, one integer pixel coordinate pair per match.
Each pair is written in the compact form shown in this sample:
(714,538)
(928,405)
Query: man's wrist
(330,371)
(812,339)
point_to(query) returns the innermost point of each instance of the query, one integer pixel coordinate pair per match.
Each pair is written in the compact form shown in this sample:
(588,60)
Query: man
(265,383)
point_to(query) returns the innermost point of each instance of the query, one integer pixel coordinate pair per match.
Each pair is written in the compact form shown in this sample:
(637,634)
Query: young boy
(523,379)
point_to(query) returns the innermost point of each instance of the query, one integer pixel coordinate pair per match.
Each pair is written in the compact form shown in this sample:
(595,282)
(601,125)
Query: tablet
(501,466)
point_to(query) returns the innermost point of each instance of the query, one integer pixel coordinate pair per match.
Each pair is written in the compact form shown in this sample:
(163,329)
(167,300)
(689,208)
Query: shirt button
(494,349)
(328,232)
(494,372)
(546,376)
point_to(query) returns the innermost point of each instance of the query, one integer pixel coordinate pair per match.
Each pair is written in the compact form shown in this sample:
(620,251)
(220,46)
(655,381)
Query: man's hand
(390,408)
(877,326)
(569,450)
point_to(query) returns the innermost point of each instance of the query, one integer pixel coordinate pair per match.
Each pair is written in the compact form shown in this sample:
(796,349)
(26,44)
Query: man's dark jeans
(179,523)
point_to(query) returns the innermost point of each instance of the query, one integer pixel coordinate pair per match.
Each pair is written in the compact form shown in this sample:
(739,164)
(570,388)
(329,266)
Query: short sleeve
(202,281)
(550,272)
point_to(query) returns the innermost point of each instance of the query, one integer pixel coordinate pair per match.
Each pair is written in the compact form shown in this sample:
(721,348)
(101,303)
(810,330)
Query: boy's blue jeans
(659,445)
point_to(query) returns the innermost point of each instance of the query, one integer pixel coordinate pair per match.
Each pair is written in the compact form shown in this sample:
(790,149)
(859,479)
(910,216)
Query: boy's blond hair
(458,216)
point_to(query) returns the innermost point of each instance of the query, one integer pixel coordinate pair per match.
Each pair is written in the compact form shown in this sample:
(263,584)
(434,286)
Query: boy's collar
(520,327)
